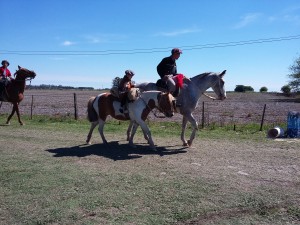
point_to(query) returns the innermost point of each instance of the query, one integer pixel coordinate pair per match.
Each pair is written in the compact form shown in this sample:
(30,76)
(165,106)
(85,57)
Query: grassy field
(49,176)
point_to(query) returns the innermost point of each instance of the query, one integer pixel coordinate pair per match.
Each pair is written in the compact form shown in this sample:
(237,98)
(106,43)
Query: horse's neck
(203,83)
(19,84)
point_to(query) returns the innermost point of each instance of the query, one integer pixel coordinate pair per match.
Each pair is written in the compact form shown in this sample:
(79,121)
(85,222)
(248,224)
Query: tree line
(292,86)
(57,87)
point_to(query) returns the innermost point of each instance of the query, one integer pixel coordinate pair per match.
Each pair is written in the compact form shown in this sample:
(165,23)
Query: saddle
(178,79)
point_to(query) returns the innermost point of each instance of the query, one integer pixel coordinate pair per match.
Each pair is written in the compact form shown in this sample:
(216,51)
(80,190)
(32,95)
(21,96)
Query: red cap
(176,50)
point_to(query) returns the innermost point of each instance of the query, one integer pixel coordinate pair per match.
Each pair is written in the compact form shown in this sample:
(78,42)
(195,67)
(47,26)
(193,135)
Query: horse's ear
(223,73)
(19,67)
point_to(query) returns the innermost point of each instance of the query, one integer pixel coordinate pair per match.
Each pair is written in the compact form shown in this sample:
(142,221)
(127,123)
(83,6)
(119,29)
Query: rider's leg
(123,108)
(171,83)
(172,87)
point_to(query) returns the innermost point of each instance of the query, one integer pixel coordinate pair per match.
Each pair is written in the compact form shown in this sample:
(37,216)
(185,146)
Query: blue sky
(88,42)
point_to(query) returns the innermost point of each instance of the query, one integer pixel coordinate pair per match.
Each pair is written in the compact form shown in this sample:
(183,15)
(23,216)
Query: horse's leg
(147,133)
(100,128)
(18,114)
(183,127)
(194,124)
(129,130)
(12,113)
(133,131)
(93,125)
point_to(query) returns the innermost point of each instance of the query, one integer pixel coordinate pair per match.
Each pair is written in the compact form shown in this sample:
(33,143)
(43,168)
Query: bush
(263,89)
(242,88)
(286,89)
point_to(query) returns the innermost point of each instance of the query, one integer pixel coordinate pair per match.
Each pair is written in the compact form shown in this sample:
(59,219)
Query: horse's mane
(202,75)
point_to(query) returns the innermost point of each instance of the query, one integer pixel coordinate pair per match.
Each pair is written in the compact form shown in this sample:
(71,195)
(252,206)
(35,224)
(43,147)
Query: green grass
(168,128)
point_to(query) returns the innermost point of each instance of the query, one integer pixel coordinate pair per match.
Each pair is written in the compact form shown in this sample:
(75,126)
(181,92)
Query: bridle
(26,72)
(220,95)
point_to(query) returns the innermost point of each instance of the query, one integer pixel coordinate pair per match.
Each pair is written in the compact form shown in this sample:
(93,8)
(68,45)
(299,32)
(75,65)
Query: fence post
(202,114)
(31,109)
(262,118)
(75,106)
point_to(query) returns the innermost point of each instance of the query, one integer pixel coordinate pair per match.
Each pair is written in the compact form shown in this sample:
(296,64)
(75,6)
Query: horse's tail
(92,114)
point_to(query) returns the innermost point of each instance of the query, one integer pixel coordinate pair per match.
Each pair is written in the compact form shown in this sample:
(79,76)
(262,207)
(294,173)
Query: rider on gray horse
(166,69)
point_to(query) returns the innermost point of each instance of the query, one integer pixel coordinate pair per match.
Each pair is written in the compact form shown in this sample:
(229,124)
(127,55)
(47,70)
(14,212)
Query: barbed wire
(149,50)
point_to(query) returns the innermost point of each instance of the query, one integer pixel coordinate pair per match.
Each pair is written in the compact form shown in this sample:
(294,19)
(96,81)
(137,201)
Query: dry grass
(48,176)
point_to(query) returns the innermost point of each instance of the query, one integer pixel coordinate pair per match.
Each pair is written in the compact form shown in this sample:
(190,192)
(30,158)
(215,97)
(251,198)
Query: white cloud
(290,15)
(68,43)
(292,18)
(247,19)
(178,32)
(104,38)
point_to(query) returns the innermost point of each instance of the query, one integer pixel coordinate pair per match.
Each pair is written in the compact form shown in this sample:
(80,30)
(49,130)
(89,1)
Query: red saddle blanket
(178,80)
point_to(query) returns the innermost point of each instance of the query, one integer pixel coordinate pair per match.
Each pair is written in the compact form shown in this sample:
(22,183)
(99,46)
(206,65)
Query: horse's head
(23,74)
(166,104)
(219,86)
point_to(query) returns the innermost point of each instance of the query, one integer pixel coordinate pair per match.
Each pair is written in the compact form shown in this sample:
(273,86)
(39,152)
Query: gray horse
(189,95)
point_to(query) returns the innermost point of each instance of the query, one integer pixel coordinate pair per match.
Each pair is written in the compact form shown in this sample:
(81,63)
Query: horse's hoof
(189,143)
(88,142)
(185,144)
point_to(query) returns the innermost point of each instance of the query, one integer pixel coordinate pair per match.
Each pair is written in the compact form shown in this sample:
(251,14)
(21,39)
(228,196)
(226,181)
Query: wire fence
(219,113)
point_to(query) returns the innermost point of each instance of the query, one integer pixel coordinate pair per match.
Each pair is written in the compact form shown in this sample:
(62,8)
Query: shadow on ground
(114,151)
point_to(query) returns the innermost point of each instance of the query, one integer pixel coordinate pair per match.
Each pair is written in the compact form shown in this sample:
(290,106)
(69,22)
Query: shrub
(286,89)
(242,88)
(263,89)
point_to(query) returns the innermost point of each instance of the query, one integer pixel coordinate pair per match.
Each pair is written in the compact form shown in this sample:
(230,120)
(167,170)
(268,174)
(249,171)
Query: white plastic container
(276,132)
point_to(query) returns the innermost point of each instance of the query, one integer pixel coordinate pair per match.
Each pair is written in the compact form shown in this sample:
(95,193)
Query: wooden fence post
(31,109)
(262,118)
(75,107)
(202,115)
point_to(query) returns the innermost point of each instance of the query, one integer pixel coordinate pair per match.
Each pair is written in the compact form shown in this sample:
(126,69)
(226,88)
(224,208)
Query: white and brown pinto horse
(106,104)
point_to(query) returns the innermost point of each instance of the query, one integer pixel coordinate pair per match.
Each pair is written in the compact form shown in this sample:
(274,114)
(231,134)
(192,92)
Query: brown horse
(14,91)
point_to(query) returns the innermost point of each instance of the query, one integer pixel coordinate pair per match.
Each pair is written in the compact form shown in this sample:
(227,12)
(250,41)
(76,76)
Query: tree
(295,75)
(263,89)
(286,89)
(242,88)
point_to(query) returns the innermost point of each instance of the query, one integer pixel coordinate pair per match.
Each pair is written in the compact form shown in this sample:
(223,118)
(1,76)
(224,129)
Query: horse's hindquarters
(92,114)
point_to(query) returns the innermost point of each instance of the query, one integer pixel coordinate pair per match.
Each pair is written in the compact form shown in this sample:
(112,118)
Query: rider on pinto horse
(124,86)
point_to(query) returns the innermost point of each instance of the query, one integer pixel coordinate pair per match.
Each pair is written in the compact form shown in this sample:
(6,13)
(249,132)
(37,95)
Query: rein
(26,79)
(206,95)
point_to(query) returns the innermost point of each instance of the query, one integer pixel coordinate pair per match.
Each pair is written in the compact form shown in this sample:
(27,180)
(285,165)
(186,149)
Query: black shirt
(167,66)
